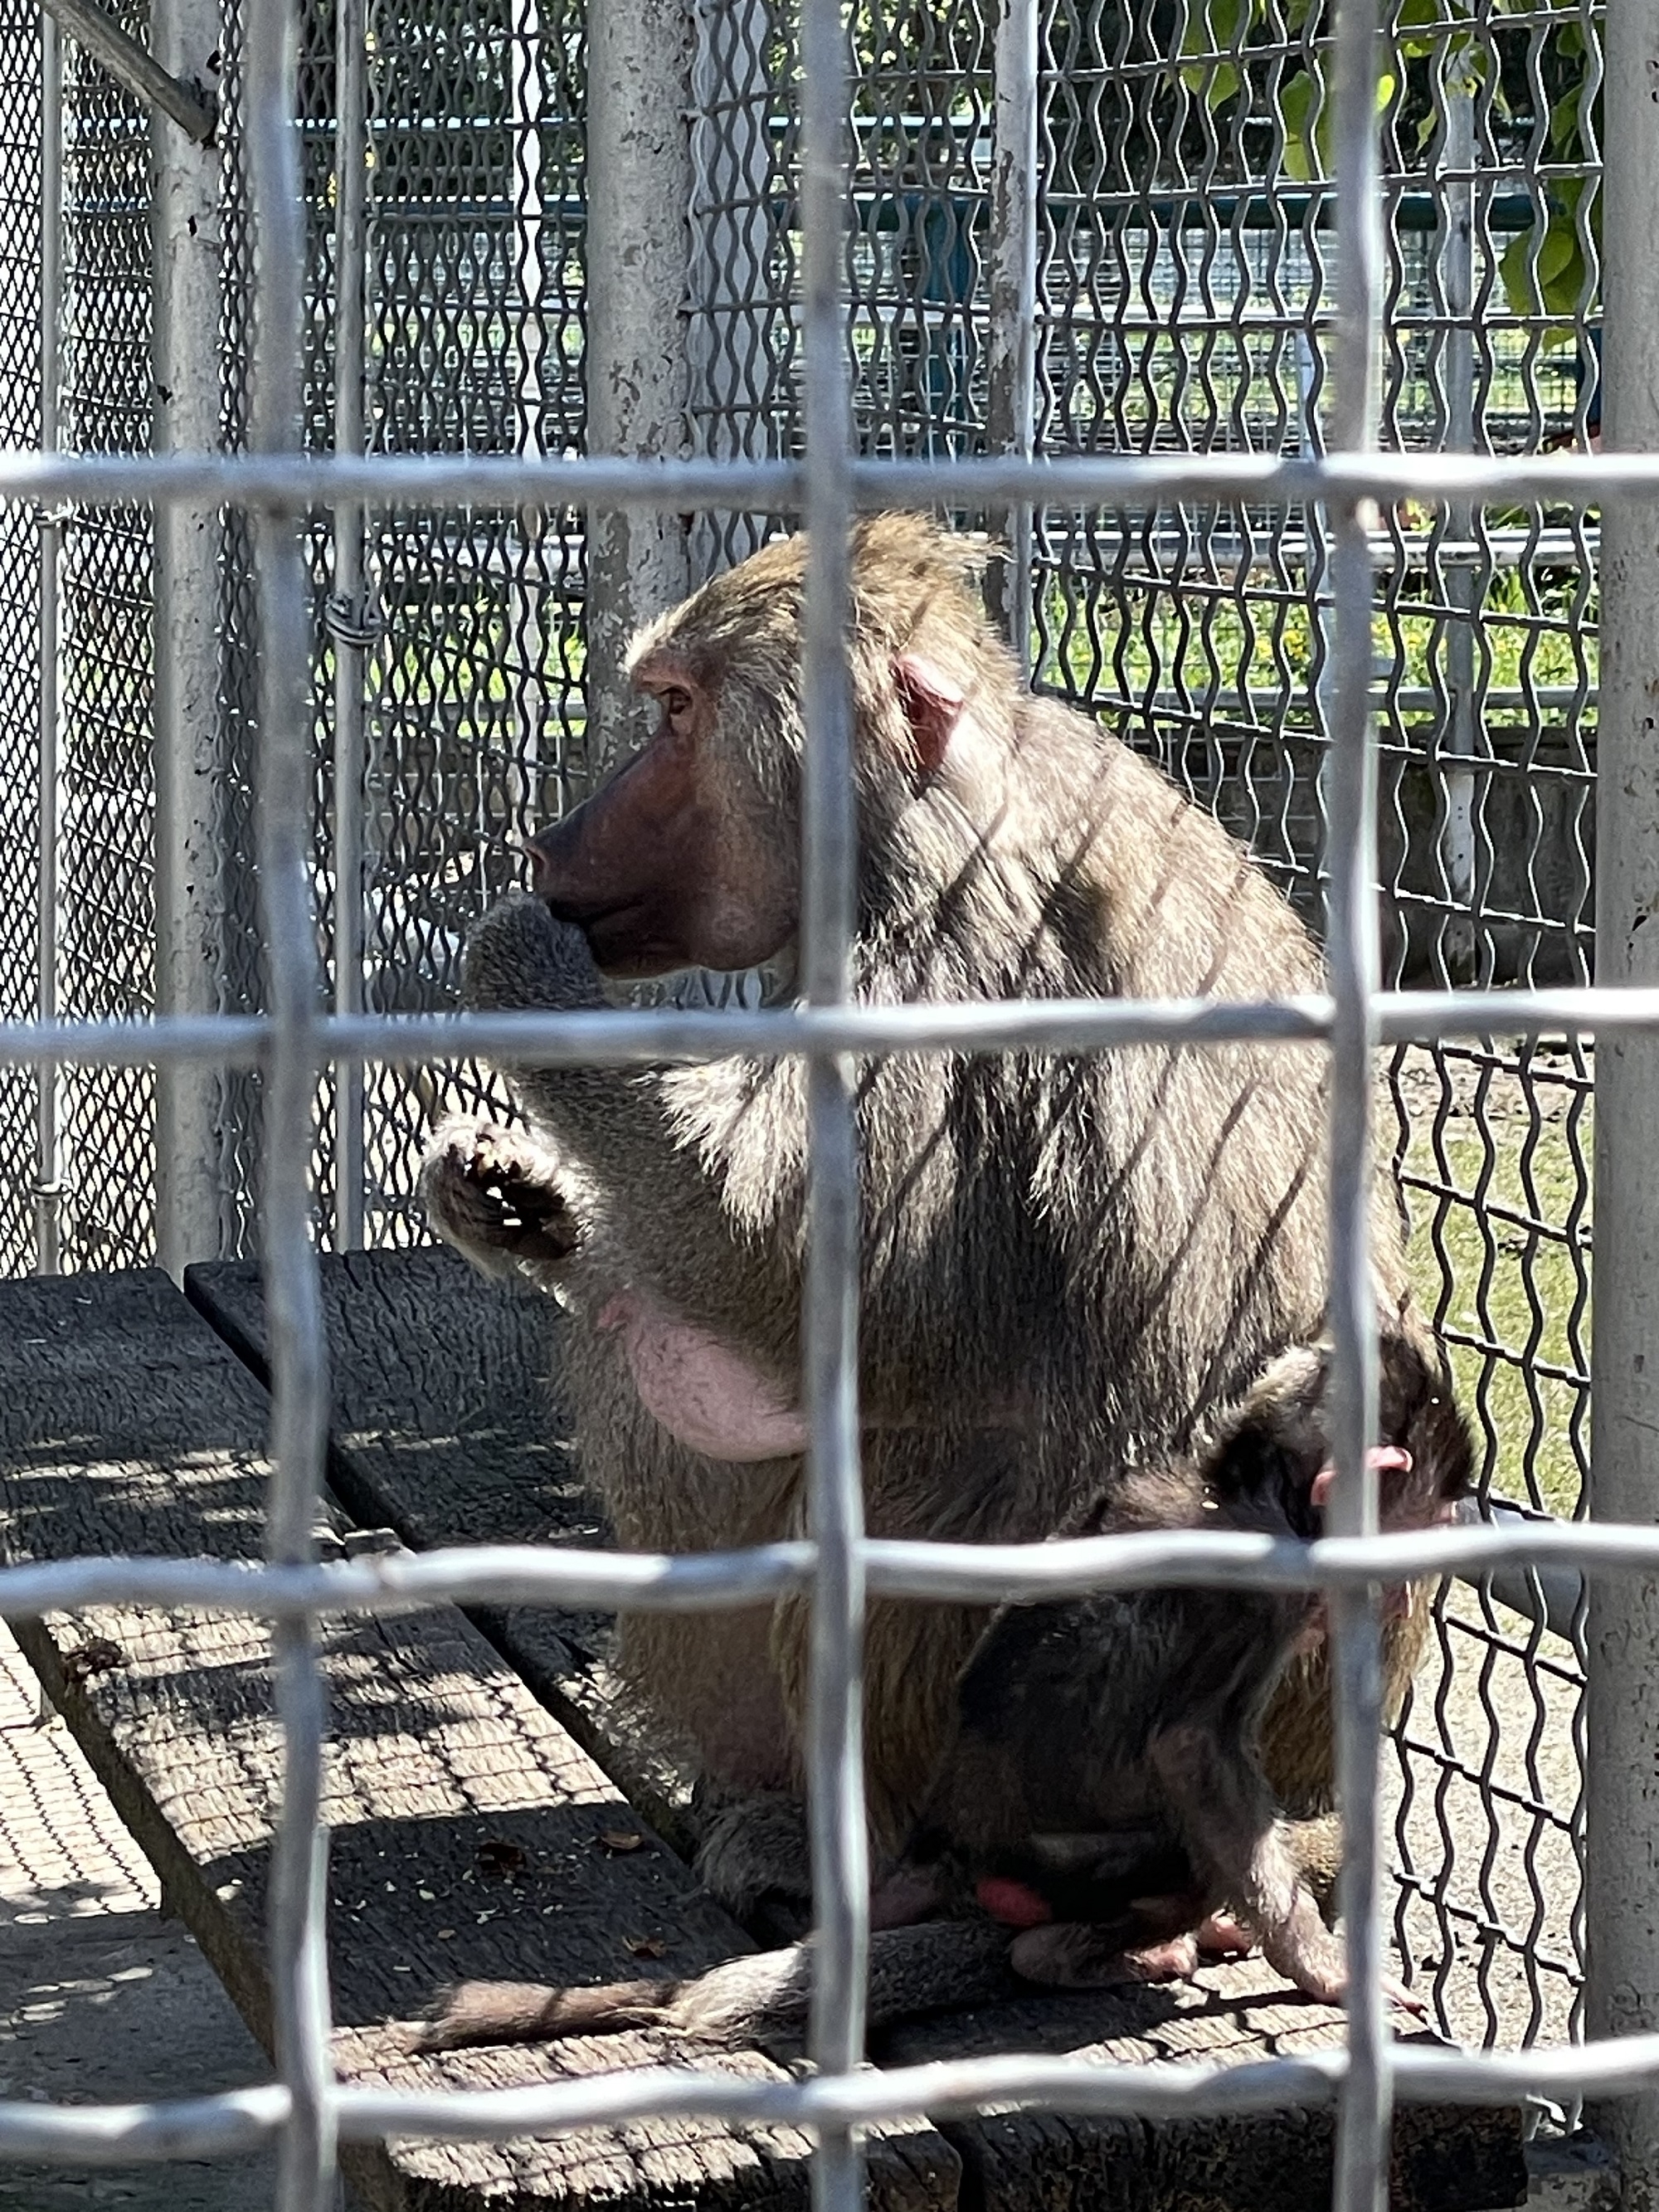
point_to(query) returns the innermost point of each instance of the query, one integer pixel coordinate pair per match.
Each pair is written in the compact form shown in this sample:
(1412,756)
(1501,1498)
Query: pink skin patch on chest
(701,1391)
(1010,1902)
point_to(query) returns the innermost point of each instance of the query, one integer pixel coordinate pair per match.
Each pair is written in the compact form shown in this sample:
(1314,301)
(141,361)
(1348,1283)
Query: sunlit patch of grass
(1499,1212)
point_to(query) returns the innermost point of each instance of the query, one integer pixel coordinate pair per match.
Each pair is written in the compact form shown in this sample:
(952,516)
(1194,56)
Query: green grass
(1137,638)
(1499,1256)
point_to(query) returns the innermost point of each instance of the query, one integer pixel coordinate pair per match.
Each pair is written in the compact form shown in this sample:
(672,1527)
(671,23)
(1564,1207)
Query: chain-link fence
(1184,300)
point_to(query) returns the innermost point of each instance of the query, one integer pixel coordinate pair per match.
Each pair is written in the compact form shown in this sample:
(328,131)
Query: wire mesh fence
(1185,303)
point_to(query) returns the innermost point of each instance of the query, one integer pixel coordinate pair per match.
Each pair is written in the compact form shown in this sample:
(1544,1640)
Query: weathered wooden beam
(447,1427)
(192,106)
(468,1835)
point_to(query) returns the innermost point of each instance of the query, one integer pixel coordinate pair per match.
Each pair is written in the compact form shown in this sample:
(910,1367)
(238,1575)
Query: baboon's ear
(933,706)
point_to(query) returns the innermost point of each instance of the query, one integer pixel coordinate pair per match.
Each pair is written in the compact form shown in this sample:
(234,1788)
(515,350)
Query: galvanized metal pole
(1459,554)
(186,100)
(1622,1717)
(297,1896)
(1366,2099)
(347,627)
(638,191)
(1013,294)
(49,1191)
(840,1869)
(189,842)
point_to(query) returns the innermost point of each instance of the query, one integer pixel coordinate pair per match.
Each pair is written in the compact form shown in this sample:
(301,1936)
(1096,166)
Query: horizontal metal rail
(620,1039)
(296,482)
(239,2120)
(529,1574)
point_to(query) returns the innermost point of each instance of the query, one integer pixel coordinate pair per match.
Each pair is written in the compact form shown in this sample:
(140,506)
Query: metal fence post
(348,627)
(639,192)
(1622,1717)
(188,894)
(49,1190)
(1013,294)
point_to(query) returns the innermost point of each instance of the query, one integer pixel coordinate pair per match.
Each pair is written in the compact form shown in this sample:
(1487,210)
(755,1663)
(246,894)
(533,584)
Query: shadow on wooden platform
(475,1825)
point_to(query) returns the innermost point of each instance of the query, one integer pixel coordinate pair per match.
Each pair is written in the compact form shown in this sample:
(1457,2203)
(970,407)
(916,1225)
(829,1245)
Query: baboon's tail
(761,2000)
(526,2012)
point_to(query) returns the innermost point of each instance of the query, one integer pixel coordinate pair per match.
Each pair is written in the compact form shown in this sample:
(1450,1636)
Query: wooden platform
(475,1829)
(447,1429)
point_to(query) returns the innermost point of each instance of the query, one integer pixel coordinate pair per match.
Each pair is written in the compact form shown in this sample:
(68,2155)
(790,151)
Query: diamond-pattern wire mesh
(1187,292)
(1184,292)
(20,606)
(106,658)
(475,724)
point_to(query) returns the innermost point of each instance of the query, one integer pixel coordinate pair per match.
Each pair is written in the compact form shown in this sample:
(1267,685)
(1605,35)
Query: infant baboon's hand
(755,1857)
(494,1193)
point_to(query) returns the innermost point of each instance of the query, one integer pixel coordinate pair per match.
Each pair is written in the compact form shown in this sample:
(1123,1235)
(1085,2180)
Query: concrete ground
(101,1999)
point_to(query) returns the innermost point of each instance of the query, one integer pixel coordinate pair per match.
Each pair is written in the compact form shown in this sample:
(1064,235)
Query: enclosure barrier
(305,2109)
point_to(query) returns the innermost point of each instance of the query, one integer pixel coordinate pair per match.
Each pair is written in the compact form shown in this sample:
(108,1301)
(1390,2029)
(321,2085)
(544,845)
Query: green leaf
(1296,101)
(1545,272)
(1415,14)
(1215,27)
(1305,159)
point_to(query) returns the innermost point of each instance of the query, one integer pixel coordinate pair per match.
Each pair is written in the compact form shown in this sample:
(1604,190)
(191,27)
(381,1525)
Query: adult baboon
(1067,1261)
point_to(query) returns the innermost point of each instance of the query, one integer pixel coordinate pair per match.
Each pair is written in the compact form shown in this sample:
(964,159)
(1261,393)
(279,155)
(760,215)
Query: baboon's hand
(1079,1955)
(494,1194)
(518,958)
(754,1856)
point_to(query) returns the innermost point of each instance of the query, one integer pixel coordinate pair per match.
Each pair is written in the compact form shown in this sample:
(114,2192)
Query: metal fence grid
(1189,289)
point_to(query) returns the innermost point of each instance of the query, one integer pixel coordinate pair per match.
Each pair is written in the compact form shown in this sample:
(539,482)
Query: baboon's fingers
(1079,1955)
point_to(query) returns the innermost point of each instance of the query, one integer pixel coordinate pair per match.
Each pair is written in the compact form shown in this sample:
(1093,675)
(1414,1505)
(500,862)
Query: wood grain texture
(1443,2159)
(447,1427)
(468,1832)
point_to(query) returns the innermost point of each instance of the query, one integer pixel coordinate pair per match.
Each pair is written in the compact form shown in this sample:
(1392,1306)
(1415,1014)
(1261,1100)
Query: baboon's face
(677,861)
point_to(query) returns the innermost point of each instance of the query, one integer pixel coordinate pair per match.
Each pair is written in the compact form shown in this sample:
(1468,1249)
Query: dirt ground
(1482,1795)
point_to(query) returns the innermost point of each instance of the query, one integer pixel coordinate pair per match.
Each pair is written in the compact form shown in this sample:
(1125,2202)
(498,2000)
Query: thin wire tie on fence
(1366,2105)
(840,1874)
(297,1934)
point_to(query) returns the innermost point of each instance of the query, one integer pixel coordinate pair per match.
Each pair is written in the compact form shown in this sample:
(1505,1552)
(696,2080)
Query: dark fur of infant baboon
(1106,1769)
(1068,1261)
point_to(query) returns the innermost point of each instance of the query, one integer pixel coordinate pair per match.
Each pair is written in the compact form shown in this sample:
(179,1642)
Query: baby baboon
(1068,1261)
(1103,1793)
(1105,1789)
